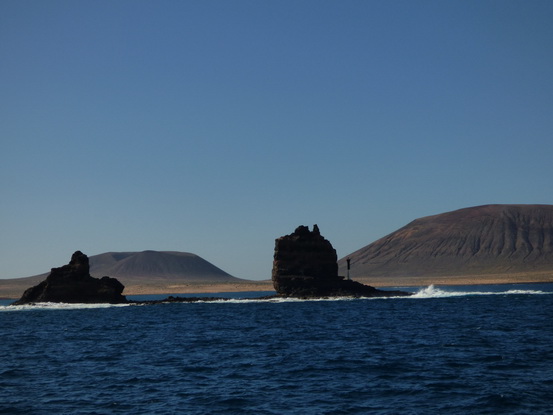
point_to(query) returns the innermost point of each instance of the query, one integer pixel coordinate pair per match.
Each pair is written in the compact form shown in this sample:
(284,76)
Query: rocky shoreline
(72,283)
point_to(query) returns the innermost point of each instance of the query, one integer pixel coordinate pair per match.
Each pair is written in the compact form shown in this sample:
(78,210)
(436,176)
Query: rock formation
(481,240)
(72,283)
(305,265)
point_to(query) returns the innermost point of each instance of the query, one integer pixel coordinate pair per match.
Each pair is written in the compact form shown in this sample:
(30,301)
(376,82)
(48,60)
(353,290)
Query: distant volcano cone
(178,266)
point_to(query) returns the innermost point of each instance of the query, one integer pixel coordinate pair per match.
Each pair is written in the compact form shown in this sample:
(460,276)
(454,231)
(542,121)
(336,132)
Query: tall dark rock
(72,283)
(305,265)
(305,253)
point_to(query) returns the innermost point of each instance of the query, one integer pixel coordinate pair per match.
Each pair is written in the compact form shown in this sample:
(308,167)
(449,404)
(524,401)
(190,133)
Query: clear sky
(214,127)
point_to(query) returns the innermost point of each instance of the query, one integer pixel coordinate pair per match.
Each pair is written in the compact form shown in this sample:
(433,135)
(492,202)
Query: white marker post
(348,261)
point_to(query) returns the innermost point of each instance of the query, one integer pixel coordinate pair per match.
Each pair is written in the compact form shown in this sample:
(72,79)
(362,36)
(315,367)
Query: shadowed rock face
(305,265)
(490,239)
(305,253)
(72,283)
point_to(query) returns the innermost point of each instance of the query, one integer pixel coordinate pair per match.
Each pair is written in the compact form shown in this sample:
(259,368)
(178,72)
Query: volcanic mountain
(499,240)
(147,271)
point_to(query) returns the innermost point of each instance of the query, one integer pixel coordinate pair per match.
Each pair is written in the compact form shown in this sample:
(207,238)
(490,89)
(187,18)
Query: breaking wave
(433,292)
(57,306)
(423,293)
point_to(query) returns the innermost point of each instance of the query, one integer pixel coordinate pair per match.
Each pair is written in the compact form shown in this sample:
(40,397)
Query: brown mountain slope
(499,240)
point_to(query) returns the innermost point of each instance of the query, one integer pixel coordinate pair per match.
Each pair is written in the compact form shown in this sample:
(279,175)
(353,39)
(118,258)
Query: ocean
(454,350)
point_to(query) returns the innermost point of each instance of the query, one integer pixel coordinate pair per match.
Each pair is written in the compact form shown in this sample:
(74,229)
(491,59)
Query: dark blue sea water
(463,350)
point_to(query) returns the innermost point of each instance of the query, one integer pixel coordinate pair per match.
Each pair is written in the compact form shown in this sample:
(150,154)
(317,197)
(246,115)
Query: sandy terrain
(375,282)
(458,280)
(199,288)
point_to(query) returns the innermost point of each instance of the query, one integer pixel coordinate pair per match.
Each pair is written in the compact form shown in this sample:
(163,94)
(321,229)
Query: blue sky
(214,127)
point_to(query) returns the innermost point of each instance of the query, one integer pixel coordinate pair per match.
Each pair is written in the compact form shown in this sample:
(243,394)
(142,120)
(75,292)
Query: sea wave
(433,292)
(57,306)
(287,300)
(423,293)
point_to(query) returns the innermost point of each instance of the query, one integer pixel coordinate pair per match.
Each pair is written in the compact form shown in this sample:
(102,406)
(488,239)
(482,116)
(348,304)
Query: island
(72,283)
(305,265)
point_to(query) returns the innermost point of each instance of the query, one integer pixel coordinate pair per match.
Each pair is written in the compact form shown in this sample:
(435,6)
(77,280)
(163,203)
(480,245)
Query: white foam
(275,300)
(57,306)
(428,292)
(432,292)
(525,292)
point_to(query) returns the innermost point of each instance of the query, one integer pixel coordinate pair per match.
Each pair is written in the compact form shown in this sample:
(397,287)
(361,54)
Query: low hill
(150,272)
(172,265)
(503,243)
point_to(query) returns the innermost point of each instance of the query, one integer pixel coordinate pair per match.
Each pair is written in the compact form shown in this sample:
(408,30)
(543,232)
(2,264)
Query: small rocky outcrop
(305,265)
(72,283)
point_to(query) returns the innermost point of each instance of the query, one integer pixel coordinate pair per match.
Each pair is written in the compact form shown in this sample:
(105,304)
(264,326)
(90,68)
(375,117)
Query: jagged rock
(305,265)
(72,283)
